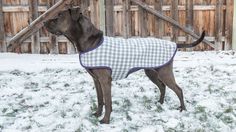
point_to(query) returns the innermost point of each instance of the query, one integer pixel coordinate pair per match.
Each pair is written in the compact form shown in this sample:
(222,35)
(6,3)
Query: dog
(86,38)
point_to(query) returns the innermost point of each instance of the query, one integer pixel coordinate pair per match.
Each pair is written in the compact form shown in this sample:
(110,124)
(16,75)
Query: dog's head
(63,21)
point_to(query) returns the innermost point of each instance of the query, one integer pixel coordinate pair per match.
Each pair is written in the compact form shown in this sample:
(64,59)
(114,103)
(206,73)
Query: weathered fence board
(234,27)
(143,29)
(219,24)
(102,16)
(123,18)
(37,24)
(159,25)
(93,13)
(169,20)
(175,16)
(189,19)
(229,24)
(126,18)
(52,38)
(109,17)
(2,31)
(35,44)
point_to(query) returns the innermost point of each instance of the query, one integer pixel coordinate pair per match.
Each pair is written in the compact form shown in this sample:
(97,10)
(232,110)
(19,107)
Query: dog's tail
(192,44)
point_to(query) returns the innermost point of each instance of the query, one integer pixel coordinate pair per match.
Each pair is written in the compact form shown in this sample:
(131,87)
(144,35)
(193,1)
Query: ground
(54,93)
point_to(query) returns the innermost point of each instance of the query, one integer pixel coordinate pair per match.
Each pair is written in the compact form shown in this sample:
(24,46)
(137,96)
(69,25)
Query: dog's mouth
(51,29)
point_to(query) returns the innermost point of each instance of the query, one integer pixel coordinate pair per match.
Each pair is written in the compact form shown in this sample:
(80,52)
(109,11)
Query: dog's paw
(182,108)
(97,114)
(105,121)
(161,101)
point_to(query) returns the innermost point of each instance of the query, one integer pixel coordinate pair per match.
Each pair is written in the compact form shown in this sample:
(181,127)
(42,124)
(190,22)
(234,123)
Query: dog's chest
(124,56)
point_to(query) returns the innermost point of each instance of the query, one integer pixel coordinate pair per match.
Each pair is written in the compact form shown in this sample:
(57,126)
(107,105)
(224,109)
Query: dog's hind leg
(167,77)
(153,76)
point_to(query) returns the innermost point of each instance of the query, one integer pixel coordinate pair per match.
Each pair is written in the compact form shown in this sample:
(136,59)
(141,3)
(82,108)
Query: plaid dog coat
(124,56)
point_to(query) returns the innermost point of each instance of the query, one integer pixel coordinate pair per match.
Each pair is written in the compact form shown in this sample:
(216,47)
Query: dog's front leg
(97,84)
(106,89)
(99,97)
(104,78)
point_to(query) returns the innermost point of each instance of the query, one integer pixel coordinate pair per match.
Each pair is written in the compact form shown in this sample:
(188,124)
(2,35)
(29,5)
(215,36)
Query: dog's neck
(84,40)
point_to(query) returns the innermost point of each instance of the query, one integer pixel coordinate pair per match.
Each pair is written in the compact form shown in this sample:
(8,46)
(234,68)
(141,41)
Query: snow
(54,93)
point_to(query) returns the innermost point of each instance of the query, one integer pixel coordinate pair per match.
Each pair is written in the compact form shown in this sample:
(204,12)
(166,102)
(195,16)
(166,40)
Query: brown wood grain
(109,6)
(142,22)
(229,24)
(53,45)
(38,23)
(2,31)
(159,25)
(189,19)
(219,24)
(201,15)
(126,18)
(169,20)
(62,48)
(35,44)
(175,16)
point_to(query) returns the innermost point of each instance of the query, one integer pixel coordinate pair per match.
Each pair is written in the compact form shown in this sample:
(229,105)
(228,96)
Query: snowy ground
(54,93)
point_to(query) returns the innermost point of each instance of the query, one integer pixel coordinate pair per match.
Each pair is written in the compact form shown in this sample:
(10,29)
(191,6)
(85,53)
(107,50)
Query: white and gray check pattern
(124,56)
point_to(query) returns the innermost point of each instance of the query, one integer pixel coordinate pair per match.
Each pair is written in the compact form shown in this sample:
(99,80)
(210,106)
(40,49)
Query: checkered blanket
(124,56)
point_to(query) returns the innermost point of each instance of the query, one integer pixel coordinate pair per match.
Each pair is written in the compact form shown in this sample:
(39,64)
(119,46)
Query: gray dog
(86,38)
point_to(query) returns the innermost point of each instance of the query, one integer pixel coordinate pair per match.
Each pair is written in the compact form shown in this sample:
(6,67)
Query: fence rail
(129,20)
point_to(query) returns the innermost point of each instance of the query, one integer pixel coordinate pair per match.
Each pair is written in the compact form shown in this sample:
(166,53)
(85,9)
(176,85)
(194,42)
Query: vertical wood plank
(175,16)
(219,24)
(35,43)
(93,12)
(2,31)
(84,6)
(109,17)
(229,24)
(234,28)
(53,42)
(142,21)
(62,48)
(159,25)
(102,16)
(189,20)
(71,48)
(126,18)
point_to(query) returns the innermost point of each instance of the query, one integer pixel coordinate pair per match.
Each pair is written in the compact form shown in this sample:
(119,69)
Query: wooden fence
(123,18)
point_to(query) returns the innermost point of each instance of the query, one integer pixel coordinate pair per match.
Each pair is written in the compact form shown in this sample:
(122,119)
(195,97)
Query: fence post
(53,42)
(93,12)
(219,24)
(109,17)
(175,16)
(159,25)
(189,20)
(2,31)
(126,18)
(35,43)
(102,16)
(234,28)
(142,14)
(229,24)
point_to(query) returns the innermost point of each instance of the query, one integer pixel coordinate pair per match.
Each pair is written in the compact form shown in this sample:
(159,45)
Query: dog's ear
(75,13)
